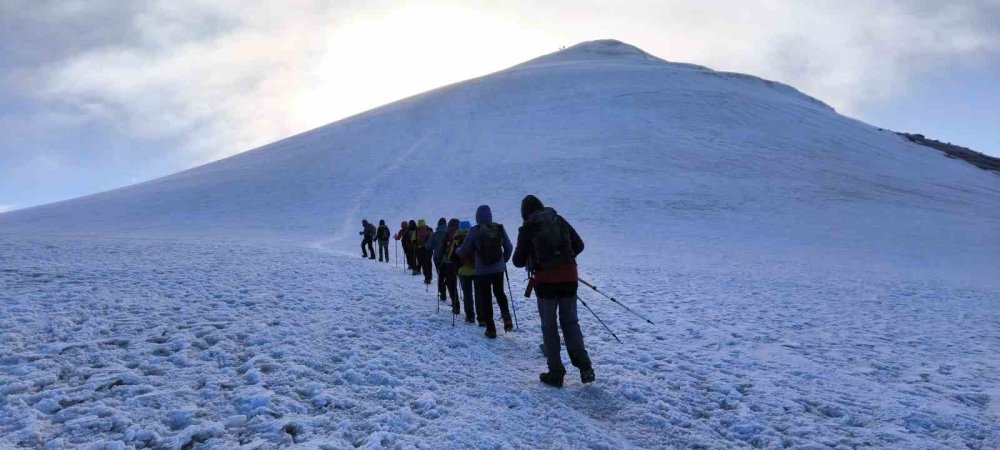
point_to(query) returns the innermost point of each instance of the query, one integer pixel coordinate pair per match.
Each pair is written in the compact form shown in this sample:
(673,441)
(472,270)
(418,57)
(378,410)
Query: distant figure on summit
(382,236)
(367,237)
(548,246)
(488,244)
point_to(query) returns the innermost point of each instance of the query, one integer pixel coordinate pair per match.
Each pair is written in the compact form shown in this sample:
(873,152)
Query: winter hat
(381,222)
(530,205)
(483,215)
(421,223)
(442,221)
(413,224)
(364,222)
(402,224)
(464,225)
(453,223)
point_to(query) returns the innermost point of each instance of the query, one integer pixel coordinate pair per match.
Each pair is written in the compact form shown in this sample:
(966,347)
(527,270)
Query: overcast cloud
(101,93)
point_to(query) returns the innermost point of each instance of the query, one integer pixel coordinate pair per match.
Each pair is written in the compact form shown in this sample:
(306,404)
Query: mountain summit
(603,129)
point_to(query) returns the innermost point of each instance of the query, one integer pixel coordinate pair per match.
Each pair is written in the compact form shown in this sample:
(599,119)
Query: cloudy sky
(99,94)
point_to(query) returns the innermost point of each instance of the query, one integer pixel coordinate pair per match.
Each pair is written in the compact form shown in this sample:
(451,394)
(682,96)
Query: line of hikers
(475,258)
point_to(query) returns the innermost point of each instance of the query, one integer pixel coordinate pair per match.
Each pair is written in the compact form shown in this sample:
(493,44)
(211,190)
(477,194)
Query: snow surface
(815,282)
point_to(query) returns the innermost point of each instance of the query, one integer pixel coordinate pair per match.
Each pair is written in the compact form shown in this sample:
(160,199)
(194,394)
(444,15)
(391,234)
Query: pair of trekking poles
(527,293)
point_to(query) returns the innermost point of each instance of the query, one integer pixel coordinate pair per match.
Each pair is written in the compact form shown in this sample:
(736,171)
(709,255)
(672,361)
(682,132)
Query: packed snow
(815,282)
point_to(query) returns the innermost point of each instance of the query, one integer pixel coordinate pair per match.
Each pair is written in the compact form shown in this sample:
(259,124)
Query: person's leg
(485,303)
(550,335)
(363,253)
(468,299)
(428,267)
(498,290)
(371,250)
(441,281)
(451,282)
(569,321)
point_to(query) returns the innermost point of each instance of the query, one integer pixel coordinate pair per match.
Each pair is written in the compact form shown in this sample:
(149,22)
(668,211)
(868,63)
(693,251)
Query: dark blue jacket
(471,245)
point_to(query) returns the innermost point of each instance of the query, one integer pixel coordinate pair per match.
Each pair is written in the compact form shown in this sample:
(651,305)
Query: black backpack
(551,243)
(490,243)
(383,233)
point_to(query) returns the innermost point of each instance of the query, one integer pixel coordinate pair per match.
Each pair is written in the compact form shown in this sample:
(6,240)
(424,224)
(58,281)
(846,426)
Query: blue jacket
(471,244)
(434,243)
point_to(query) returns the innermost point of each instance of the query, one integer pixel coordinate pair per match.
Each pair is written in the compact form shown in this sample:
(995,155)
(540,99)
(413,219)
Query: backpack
(383,233)
(490,243)
(550,243)
(423,234)
(457,238)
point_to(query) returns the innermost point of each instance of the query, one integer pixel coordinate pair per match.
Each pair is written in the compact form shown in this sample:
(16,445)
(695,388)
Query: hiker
(367,236)
(408,238)
(488,244)
(422,255)
(382,236)
(466,272)
(447,265)
(548,246)
(407,252)
(434,246)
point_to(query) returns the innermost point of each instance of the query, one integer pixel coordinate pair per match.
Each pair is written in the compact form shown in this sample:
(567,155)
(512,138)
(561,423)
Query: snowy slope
(815,281)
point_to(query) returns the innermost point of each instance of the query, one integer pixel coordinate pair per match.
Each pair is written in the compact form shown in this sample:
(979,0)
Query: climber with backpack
(382,235)
(435,245)
(407,251)
(488,244)
(466,271)
(367,236)
(409,237)
(447,264)
(422,255)
(547,245)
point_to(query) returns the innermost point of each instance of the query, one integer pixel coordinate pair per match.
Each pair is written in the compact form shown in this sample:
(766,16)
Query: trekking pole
(397,253)
(585,283)
(599,319)
(512,304)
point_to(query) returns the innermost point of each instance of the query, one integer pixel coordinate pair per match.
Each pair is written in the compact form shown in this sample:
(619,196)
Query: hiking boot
(426,281)
(481,324)
(470,320)
(552,379)
(372,257)
(507,325)
(441,296)
(587,375)
(490,333)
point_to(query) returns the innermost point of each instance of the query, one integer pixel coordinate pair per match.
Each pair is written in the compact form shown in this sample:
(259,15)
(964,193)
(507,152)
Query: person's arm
(523,248)
(575,241)
(466,249)
(508,248)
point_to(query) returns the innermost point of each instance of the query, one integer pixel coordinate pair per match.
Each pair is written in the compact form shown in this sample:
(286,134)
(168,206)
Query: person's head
(530,205)
(483,215)
(453,224)
(381,222)
(413,224)
(364,222)
(421,223)
(402,224)
(464,225)
(442,222)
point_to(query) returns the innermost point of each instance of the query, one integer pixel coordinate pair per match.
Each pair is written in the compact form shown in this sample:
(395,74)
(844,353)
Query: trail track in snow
(163,344)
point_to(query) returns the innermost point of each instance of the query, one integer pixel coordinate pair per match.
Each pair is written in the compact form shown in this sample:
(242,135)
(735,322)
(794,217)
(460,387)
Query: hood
(442,228)
(421,223)
(381,223)
(412,225)
(530,205)
(453,224)
(484,215)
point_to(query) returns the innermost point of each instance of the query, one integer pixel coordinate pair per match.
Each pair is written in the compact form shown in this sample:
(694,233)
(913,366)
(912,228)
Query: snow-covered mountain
(808,272)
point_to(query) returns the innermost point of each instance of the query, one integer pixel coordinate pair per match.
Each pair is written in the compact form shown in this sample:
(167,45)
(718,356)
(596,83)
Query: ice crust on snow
(816,282)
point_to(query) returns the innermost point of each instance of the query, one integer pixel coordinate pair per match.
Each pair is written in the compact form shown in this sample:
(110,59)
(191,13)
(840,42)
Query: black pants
(371,249)
(468,298)
(383,249)
(485,285)
(448,280)
(424,264)
(408,251)
(441,281)
(564,308)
